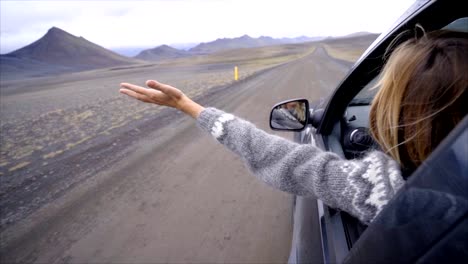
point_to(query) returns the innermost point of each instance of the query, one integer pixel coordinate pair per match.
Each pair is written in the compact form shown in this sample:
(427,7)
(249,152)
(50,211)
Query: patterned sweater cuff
(207,118)
(213,120)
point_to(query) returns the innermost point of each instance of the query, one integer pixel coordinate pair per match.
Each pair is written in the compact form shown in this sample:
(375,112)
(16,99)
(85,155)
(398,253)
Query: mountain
(57,52)
(232,43)
(358,34)
(59,48)
(359,39)
(167,52)
(183,46)
(12,68)
(301,39)
(245,42)
(160,53)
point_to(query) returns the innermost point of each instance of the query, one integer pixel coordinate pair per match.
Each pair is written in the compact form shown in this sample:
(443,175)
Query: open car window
(366,95)
(356,116)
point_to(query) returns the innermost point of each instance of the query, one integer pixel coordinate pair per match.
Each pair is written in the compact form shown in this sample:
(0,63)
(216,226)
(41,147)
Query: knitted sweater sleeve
(360,187)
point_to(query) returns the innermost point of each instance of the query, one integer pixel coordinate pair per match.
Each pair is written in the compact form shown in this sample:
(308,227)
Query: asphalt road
(178,195)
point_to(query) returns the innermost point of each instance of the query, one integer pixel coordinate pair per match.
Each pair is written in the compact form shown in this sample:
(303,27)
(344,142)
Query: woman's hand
(162,94)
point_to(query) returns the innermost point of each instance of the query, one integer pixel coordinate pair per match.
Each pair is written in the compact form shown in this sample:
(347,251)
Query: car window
(366,95)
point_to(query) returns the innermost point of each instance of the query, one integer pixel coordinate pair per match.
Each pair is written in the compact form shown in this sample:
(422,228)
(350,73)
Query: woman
(422,91)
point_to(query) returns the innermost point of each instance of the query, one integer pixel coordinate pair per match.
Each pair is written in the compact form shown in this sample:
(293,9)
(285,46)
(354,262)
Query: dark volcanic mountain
(160,53)
(57,52)
(245,42)
(60,48)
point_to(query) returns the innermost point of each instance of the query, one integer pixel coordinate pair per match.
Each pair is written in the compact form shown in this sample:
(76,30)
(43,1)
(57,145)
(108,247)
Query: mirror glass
(289,115)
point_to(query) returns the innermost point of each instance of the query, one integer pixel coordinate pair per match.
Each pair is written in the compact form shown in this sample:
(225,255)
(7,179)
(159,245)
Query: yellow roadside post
(236,74)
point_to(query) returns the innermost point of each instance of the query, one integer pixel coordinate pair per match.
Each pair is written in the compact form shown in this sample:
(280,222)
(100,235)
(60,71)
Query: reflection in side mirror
(291,115)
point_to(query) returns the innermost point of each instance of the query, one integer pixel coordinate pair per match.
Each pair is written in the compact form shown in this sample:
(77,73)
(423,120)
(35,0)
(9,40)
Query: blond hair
(422,89)
(300,110)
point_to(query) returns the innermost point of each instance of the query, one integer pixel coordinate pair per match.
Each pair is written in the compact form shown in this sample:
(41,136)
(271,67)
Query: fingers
(167,89)
(136,88)
(138,96)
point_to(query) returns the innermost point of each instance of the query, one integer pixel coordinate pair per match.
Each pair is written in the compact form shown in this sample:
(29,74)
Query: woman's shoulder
(372,180)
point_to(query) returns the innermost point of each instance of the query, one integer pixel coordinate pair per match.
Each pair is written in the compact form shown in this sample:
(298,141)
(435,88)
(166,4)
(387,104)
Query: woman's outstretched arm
(359,187)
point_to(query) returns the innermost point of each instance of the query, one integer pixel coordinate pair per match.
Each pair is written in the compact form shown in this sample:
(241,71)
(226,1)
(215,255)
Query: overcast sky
(115,24)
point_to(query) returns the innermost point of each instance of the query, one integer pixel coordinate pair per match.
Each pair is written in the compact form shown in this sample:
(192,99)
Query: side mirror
(291,115)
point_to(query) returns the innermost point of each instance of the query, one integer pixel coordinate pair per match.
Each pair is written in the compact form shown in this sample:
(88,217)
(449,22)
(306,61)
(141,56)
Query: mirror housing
(290,115)
(316,117)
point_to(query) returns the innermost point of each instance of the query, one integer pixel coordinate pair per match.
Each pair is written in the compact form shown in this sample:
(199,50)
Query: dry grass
(19,166)
(269,55)
(346,53)
(349,49)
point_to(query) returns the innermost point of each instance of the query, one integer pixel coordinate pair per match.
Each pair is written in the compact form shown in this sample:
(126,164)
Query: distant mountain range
(59,51)
(167,52)
(246,42)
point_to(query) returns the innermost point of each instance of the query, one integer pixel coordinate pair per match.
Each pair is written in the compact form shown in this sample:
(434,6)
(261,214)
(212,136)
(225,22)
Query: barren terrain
(88,175)
(341,48)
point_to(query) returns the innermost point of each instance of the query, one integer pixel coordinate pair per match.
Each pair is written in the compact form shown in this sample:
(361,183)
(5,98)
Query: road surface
(178,195)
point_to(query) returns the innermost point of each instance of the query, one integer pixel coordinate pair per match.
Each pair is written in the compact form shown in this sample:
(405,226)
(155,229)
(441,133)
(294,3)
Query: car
(427,221)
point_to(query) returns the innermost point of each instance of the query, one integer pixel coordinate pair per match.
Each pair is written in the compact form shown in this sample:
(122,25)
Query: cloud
(150,23)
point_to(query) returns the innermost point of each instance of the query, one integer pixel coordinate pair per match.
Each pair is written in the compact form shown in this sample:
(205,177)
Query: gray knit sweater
(360,187)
